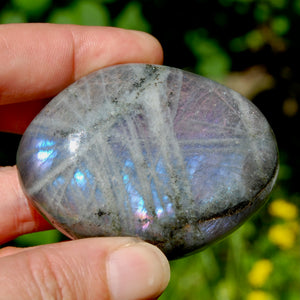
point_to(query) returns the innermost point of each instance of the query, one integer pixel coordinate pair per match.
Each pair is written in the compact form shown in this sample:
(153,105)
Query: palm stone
(148,151)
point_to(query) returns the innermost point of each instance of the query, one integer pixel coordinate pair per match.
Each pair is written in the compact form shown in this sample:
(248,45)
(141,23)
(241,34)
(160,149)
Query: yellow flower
(294,226)
(282,235)
(259,295)
(283,209)
(260,272)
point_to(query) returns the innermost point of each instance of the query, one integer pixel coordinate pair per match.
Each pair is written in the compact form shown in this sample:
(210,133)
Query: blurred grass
(214,39)
(38,238)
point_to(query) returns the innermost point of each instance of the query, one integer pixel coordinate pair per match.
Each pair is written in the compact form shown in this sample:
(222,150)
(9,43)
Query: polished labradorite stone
(149,151)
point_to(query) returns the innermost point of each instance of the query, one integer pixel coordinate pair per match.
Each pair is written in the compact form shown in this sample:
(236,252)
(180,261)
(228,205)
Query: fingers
(39,60)
(10,251)
(96,268)
(16,117)
(17,215)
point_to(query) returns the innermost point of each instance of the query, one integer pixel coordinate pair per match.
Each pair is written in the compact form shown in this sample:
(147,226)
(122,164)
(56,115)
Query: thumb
(94,268)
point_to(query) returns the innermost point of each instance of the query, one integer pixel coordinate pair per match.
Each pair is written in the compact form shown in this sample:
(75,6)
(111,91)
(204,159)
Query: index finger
(39,60)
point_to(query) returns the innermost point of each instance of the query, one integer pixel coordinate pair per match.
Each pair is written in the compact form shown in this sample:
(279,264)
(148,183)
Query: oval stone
(148,151)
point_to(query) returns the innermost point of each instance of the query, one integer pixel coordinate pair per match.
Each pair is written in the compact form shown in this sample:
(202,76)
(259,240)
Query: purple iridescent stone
(149,151)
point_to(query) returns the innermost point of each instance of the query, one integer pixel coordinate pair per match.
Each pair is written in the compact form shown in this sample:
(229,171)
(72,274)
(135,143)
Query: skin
(37,61)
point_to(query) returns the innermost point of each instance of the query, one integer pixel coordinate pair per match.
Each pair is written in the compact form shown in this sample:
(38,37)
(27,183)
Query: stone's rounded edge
(217,229)
(221,225)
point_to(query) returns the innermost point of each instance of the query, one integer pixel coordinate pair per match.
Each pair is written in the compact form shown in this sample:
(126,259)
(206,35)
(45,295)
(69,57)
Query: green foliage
(38,238)
(280,25)
(12,16)
(81,13)
(262,12)
(279,4)
(254,39)
(212,60)
(131,17)
(296,6)
(32,8)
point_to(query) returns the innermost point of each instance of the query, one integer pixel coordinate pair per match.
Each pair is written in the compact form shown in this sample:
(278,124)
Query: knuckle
(51,277)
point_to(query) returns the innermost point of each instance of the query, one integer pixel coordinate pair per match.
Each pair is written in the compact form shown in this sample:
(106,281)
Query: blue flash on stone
(45,151)
(80,179)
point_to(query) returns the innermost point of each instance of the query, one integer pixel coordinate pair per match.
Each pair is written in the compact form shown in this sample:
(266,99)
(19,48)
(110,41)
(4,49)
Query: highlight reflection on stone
(148,151)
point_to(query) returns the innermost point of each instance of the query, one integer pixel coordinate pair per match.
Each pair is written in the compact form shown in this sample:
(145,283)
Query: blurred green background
(252,47)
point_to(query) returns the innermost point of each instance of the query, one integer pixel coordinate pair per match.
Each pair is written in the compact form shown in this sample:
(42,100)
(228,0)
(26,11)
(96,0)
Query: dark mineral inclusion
(148,151)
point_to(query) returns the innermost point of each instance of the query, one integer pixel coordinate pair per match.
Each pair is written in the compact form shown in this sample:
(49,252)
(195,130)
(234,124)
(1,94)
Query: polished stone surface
(148,151)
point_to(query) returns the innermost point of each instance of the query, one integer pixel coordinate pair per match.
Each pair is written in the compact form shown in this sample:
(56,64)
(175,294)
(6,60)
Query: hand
(36,62)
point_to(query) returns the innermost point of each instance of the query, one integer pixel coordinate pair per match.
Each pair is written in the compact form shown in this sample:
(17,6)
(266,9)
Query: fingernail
(138,271)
